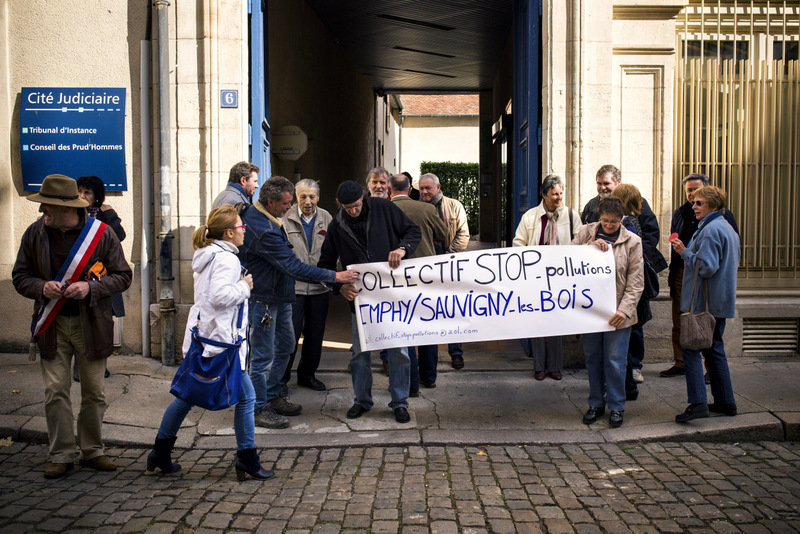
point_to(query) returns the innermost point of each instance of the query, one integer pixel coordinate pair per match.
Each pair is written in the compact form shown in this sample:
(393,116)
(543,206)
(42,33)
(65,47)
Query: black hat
(348,192)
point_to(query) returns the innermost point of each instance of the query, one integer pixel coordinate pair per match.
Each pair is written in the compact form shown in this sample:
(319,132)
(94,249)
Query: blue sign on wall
(229,98)
(76,131)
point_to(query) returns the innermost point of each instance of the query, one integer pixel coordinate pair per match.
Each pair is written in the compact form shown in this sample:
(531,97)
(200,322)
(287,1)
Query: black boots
(247,462)
(160,457)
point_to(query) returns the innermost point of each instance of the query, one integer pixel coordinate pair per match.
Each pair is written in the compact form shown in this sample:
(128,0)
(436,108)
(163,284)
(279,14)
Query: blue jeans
(270,347)
(606,359)
(243,424)
(455,349)
(361,373)
(718,373)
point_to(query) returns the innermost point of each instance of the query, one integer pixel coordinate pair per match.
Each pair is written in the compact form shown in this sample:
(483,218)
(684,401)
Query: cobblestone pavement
(652,487)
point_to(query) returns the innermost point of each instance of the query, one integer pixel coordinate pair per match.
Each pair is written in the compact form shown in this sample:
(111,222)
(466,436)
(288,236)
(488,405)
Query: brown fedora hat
(59,190)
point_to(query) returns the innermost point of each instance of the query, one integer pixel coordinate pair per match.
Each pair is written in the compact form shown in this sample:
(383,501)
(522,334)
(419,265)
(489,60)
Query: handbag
(213,383)
(651,287)
(697,329)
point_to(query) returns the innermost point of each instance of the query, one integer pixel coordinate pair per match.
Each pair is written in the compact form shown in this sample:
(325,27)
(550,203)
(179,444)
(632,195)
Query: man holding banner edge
(370,230)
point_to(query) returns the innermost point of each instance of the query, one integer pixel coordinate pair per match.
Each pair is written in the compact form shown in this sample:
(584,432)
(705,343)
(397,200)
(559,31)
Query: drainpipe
(575,118)
(145,103)
(166,303)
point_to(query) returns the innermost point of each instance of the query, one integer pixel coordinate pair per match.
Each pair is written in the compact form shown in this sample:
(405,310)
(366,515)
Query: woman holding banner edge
(606,353)
(550,223)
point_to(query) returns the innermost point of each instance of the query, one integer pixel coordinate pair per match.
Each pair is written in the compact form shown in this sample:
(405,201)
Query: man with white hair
(306,225)
(452,212)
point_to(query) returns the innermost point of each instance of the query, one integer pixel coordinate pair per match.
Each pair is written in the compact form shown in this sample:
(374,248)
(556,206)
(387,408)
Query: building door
(526,107)
(259,90)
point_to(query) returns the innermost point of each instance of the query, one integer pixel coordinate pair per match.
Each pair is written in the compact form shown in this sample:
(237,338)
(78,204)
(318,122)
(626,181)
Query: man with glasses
(267,255)
(684,223)
(368,230)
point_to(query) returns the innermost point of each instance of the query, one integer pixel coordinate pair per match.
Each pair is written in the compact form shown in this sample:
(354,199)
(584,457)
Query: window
(784,50)
(722,50)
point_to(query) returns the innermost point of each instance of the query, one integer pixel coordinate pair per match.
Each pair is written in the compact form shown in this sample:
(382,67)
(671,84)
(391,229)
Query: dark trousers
(428,358)
(414,371)
(676,318)
(636,345)
(423,365)
(309,313)
(455,349)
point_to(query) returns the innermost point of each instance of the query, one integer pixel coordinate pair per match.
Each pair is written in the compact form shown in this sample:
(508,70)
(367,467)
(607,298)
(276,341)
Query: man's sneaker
(269,419)
(672,371)
(615,419)
(282,406)
(637,376)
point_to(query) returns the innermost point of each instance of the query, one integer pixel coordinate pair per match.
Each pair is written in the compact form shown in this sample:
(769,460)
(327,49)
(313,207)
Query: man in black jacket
(608,178)
(370,230)
(684,223)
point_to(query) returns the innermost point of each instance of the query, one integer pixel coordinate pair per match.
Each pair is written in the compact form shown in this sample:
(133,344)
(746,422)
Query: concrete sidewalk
(493,400)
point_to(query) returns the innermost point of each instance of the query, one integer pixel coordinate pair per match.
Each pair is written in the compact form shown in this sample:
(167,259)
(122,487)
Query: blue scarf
(239,188)
(703,223)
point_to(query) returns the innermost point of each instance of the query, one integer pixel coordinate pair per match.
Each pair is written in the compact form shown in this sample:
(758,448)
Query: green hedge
(459,181)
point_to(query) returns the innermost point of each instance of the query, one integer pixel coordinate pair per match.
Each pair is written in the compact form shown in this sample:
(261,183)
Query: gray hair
(615,173)
(697,176)
(308,183)
(550,181)
(431,176)
(378,170)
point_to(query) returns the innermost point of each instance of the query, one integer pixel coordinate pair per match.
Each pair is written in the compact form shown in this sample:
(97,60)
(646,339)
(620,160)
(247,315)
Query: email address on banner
(420,333)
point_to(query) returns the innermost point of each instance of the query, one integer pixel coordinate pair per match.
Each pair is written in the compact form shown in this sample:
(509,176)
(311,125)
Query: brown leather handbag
(697,329)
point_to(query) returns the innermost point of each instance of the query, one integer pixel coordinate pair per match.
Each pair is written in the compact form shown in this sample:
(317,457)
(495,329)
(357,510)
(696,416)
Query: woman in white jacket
(550,223)
(220,289)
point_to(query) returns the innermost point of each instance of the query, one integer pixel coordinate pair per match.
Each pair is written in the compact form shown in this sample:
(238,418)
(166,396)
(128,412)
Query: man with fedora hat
(70,265)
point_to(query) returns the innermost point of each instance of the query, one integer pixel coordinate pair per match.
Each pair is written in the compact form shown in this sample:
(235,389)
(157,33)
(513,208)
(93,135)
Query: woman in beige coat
(549,223)
(607,352)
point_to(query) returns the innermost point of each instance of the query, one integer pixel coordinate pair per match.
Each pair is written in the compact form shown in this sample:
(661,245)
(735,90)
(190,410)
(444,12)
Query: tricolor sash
(70,272)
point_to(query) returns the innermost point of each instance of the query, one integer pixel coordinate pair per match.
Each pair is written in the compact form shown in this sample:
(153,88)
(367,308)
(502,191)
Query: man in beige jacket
(452,212)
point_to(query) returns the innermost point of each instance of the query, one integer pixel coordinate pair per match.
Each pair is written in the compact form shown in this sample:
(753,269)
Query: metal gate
(737,120)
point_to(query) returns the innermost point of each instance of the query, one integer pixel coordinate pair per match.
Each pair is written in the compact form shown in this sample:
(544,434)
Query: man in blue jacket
(364,230)
(267,255)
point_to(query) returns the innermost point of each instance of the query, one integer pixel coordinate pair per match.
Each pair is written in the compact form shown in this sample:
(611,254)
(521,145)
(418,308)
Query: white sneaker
(637,376)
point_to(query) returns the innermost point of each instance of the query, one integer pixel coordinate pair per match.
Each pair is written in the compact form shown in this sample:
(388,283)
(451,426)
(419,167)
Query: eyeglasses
(700,202)
(240,226)
(606,221)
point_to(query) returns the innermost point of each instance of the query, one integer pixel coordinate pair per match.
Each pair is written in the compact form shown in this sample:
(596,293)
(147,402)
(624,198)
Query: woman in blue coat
(715,249)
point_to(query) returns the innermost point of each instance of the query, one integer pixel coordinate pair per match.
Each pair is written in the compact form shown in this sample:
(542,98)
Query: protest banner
(504,293)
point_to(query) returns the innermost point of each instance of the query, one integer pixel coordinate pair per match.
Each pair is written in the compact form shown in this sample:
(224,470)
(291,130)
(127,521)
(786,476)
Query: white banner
(504,293)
